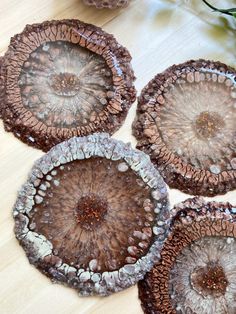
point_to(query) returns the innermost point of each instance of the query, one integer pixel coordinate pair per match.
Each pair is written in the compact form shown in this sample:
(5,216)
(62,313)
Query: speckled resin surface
(93,215)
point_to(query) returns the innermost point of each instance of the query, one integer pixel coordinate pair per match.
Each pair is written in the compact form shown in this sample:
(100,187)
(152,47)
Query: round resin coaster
(186,123)
(110,4)
(63,79)
(93,215)
(197,270)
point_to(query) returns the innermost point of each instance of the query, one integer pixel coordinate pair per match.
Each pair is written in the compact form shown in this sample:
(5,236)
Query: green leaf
(231,11)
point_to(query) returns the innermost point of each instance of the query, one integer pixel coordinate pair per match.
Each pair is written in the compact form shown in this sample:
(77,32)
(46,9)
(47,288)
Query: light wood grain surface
(158,33)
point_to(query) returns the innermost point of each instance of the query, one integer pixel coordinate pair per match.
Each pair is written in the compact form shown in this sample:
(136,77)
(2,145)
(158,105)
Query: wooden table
(158,34)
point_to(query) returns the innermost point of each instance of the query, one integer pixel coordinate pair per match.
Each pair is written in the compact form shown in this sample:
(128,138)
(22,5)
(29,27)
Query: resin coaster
(110,4)
(197,270)
(186,123)
(93,215)
(63,79)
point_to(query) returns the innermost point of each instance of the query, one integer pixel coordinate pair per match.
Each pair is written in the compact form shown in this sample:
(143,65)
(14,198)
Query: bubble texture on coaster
(196,273)
(64,78)
(93,214)
(186,123)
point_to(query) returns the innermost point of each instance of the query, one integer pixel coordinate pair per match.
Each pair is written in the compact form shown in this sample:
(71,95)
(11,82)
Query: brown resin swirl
(93,214)
(186,123)
(197,270)
(63,79)
(81,212)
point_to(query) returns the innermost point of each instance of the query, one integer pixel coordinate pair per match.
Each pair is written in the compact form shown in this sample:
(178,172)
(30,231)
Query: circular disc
(186,123)
(93,214)
(196,273)
(110,4)
(63,79)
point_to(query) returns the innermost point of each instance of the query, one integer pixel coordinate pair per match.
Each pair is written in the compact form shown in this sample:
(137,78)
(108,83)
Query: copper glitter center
(91,211)
(64,84)
(208,124)
(209,280)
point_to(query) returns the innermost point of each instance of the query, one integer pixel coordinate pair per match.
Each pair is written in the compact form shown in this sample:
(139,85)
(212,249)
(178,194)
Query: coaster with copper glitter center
(93,214)
(63,79)
(197,269)
(110,4)
(186,123)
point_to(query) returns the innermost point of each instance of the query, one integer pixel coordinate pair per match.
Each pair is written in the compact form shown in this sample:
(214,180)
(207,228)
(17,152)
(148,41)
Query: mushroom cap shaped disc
(93,214)
(186,123)
(62,79)
(197,269)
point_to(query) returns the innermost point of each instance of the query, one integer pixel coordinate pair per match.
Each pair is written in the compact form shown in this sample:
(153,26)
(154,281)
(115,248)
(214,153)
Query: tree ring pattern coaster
(63,79)
(186,123)
(197,269)
(93,214)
